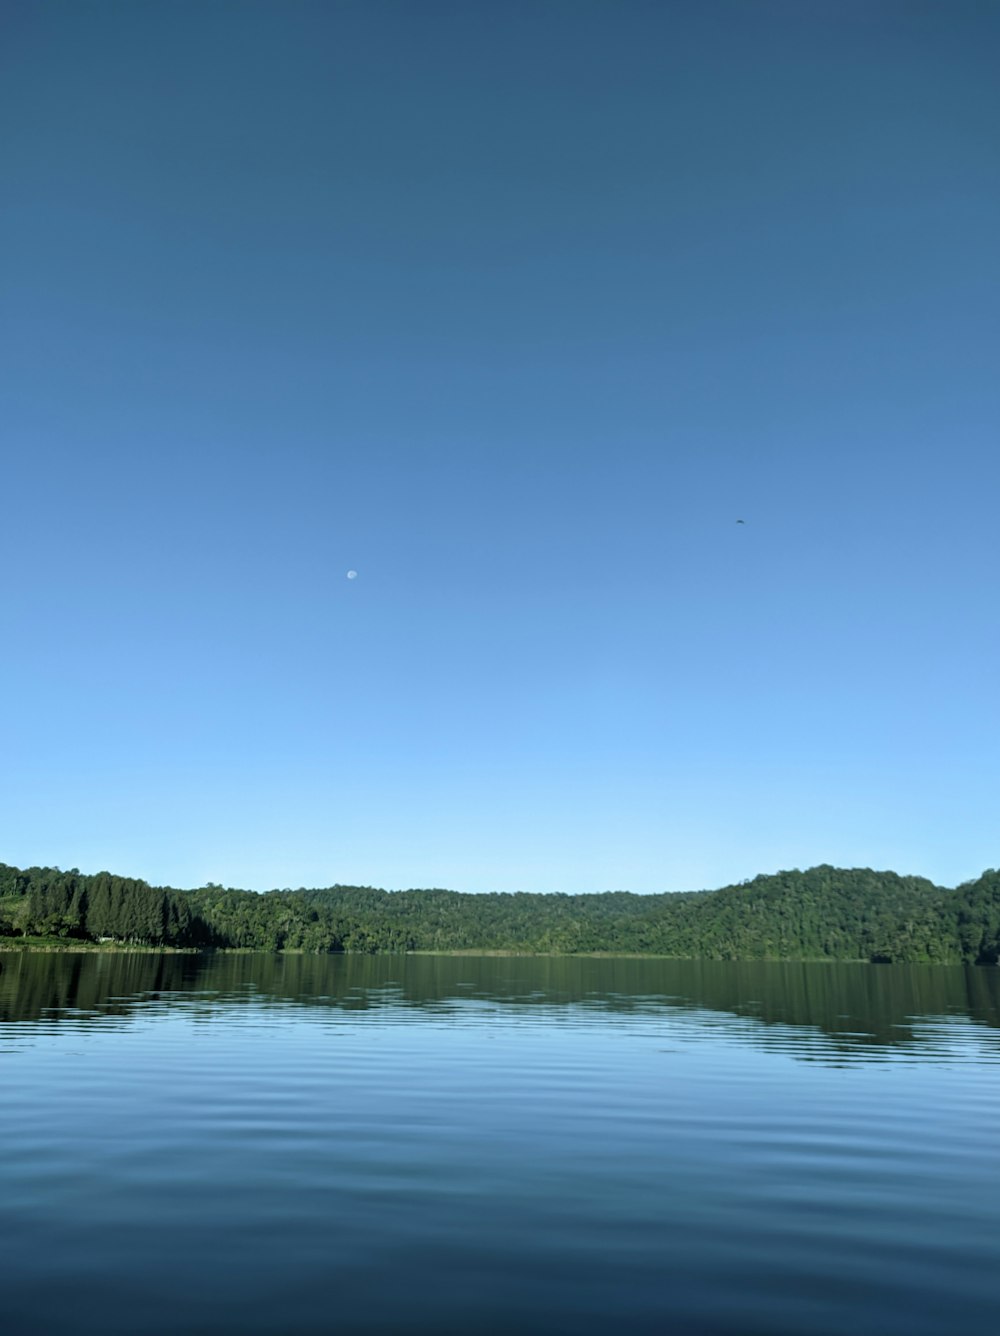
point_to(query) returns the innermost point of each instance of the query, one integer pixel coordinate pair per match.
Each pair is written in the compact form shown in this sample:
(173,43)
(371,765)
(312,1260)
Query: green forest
(824,913)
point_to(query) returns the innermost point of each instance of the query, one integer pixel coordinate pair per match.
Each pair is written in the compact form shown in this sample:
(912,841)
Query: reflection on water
(256,1145)
(833,1012)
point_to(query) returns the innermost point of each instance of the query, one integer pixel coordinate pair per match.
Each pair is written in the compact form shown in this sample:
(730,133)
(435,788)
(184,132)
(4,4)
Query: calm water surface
(425,1144)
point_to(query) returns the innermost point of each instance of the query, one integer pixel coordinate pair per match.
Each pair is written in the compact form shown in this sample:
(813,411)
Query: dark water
(262,1144)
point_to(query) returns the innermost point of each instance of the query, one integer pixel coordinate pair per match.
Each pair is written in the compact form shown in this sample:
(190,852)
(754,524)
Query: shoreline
(14,946)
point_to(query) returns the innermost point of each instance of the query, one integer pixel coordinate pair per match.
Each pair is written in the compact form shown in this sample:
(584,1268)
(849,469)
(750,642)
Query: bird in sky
(741,521)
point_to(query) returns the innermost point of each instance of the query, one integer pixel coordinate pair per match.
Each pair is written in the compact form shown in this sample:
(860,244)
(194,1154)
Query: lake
(462,1144)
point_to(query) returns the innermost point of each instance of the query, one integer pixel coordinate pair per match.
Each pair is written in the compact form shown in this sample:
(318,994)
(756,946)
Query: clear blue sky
(516,309)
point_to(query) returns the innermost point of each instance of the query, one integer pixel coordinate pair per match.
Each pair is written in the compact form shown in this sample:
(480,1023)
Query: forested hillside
(823,913)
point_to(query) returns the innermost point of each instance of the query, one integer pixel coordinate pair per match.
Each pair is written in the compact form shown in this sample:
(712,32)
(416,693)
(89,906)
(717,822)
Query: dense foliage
(823,913)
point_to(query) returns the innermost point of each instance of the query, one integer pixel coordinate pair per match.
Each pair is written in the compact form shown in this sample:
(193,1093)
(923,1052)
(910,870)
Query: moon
(352,575)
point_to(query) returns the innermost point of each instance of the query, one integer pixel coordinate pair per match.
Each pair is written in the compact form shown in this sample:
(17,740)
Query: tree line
(822,913)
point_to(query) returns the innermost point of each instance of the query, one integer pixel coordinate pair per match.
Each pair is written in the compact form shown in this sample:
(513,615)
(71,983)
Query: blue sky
(515,309)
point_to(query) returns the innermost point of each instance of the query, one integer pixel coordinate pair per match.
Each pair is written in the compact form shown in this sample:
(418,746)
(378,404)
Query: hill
(824,913)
